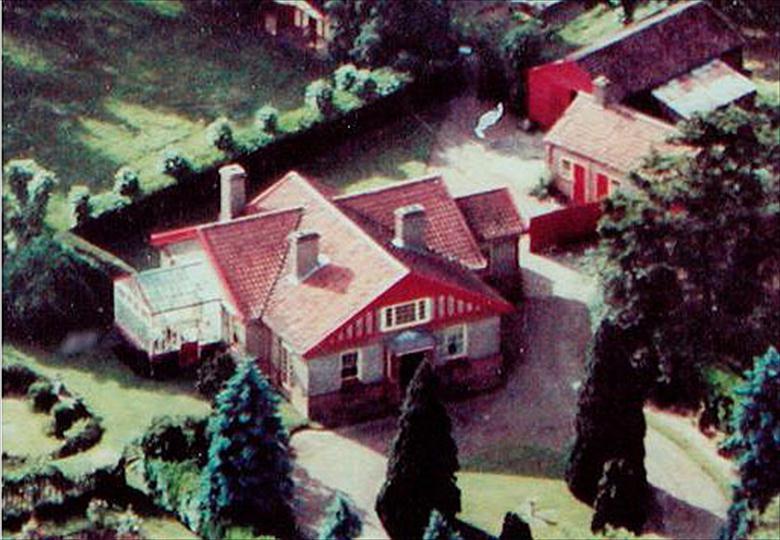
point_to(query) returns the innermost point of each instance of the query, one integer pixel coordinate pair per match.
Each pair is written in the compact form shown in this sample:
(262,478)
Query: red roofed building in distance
(635,65)
(337,297)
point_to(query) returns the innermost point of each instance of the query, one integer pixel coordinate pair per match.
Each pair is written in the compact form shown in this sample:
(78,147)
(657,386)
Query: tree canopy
(691,256)
(422,464)
(247,479)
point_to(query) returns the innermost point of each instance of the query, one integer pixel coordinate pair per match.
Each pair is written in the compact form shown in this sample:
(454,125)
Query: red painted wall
(551,88)
(563,226)
(363,327)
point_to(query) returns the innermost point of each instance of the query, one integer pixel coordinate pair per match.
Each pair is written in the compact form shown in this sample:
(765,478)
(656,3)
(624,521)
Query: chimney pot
(232,191)
(602,90)
(410,226)
(305,252)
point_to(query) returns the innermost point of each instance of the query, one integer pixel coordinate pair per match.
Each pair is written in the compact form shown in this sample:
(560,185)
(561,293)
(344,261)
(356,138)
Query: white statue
(489,119)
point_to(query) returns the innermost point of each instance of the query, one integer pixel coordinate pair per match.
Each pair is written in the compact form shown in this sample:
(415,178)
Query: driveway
(537,406)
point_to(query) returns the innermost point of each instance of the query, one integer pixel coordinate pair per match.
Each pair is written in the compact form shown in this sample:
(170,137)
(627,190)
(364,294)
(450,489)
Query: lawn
(24,431)
(87,90)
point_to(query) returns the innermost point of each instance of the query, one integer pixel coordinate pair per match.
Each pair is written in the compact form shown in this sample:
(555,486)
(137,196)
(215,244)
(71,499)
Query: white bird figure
(489,119)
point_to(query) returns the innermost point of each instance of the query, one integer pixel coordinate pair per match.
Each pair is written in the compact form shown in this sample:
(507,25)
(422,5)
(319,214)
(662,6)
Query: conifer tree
(610,422)
(423,461)
(342,522)
(247,479)
(439,528)
(621,498)
(515,528)
(756,438)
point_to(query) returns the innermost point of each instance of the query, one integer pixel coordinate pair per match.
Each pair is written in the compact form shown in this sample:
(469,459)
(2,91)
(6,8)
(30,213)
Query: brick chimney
(232,191)
(602,90)
(410,225)
(305,253)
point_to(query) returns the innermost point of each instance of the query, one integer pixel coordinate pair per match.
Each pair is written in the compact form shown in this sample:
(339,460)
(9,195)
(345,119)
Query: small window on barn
(453,342)
(566,168)
(349,366)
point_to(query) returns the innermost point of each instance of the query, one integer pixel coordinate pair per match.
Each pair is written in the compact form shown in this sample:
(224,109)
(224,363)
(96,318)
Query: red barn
(633,62)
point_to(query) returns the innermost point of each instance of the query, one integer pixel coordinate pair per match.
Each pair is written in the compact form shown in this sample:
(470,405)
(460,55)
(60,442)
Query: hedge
(41,394)
(17,380)
(302,132)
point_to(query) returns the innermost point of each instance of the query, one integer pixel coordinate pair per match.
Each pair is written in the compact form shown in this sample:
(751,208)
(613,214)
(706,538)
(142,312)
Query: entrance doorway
(408,365)
(579,184)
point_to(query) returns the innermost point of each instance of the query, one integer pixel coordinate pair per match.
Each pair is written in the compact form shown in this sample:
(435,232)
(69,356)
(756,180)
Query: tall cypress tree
(610,421)
(439,529)
(423,461)
(756,438)
(621,499)
(247,479)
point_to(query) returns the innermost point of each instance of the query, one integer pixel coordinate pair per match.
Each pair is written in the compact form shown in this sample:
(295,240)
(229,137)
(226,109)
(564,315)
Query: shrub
(213,372)
(175,439)
(319,96)
(98,513)
(366,86)
(174,487)
(220,135)
(42,395)
(176,165)
(17,379)
(85,439)
(267,119)
(127,183)
(345,77)
(81,203)
(544,188)
(63,416)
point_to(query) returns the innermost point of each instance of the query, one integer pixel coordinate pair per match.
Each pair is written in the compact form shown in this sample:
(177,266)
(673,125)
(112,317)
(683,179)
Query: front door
(408,364)
(602,186)
(188,354)
(578,195)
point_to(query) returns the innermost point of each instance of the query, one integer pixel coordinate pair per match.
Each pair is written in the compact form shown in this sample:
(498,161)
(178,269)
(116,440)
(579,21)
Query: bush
(17,379)
(83,440)
(220,135)
(319,96)
(175,439)
(81,203)
(42,395)
(267,119)
(174,486)
(366,86)
(127,183)
(213,372)
(176,165)
(63,416)
(544,188)
(345,77)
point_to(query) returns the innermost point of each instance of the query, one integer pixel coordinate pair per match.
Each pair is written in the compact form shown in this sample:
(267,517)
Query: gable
(449,305)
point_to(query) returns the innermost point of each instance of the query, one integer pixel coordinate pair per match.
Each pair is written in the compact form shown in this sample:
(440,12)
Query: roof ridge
(639,26)
(622,109)
(395,185)
(250,217)
(273,187)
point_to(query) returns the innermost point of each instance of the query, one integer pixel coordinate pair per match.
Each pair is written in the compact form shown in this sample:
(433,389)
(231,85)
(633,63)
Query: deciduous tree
(423,461)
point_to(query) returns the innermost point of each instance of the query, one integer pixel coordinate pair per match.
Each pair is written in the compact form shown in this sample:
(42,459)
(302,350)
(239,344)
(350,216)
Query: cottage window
(349,366)
(453,342)
(406,314)
(566,168)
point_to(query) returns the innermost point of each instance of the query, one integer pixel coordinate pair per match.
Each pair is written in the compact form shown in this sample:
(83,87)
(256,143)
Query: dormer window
(406,314)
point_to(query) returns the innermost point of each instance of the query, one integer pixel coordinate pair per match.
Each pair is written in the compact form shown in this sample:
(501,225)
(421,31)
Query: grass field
(24,431)
(86,91)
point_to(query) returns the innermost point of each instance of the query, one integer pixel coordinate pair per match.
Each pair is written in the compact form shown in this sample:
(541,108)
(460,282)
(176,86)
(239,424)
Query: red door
(578,195)
(602,186)
(188,354)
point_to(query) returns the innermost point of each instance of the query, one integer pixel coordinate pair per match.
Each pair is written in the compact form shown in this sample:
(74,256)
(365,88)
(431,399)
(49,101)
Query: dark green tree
(439,528)
(515,528)
(691,256)
(127,183)
(610,422)
(26,202)
(319,97)
(81,203)
(220,135)
(622,496)
(247,479)
(423,462)
(267,119)
(342,522)
(49,289)
(522,48)
(345,18)
(756,441)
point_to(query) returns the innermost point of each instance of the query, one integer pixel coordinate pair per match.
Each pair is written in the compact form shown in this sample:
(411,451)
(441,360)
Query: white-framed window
(566,168)
(452,342)
(407,314)
(349,365)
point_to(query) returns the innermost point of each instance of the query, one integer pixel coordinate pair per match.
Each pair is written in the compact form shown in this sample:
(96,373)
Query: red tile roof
(615,136)
(491,214)
(447,233)
(251,255)
(248,254)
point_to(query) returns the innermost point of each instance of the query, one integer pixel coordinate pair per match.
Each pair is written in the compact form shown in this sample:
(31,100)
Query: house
(693,36)
(338,297)
(299,21)
(593,147)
